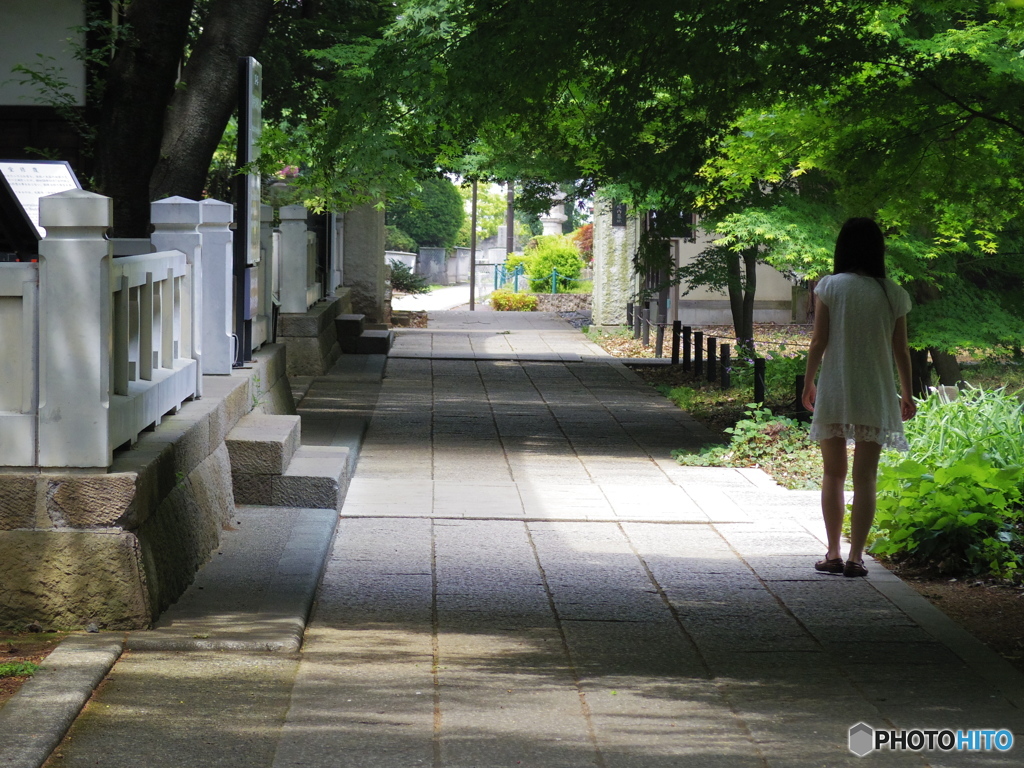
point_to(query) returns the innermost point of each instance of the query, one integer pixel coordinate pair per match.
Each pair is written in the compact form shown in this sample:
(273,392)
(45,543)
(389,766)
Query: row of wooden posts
(705,356)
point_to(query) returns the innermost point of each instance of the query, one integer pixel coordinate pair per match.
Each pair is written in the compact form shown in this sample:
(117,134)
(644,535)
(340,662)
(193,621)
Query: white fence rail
(149,374)
(94,349)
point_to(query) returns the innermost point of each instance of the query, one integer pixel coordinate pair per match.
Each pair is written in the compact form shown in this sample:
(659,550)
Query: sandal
(854,569)
(835,565)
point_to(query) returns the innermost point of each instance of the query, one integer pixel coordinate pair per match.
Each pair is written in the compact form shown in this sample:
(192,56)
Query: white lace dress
(857,394)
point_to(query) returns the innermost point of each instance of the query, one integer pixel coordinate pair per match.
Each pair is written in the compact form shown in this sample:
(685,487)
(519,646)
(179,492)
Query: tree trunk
(946,366)
(749,292)
(138,88)
(203,104)
(920,378)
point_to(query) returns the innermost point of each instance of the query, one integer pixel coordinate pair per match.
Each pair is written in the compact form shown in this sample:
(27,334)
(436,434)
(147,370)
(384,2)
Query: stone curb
(279,625)
(34,721)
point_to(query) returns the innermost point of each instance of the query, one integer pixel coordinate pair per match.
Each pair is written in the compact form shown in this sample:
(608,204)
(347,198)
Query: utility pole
(472,252)
(510,219)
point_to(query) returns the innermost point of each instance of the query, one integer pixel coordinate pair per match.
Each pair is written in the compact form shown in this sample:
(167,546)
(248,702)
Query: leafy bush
(396,240)
(506,301)
(584,240)
(957,504)
(17,669)
(961,517)
(548,253)
(514,260)
(404,281)
(777,444)
(431,217)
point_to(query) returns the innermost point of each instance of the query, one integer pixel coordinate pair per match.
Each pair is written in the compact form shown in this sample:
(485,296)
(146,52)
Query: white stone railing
(19,319)
(94,349)
(299,287)
(150,376)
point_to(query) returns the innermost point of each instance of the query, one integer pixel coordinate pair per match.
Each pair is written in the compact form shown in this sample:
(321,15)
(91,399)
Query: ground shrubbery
(547,254)
(507,301)
(954,502)
(404,281)
(777,444)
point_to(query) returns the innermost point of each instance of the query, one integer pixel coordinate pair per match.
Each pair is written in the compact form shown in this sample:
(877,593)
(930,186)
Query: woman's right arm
(901,353)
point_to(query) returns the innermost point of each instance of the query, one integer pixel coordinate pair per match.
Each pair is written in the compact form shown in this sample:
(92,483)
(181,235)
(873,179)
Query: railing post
(176,223)
(724,355)
(798,403)
(759,367)
(645,320)
(659,339)
(262,330)
(74,330)
(676,329)
(217,323)
(687,332)
(698,353)
(629,314)
(711,358)
(637,322)
(554,281)
(294,280)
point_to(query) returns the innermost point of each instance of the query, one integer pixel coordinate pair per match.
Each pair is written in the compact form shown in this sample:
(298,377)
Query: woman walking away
(860,327)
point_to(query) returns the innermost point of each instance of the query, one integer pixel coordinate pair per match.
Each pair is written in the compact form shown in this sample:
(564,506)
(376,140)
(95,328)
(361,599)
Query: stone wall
(613,265)
(364,261)
(563,302)
(311,337)
(117,548)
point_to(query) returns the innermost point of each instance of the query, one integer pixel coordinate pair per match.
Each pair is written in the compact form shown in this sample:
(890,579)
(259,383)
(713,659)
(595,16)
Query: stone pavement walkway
(522,577)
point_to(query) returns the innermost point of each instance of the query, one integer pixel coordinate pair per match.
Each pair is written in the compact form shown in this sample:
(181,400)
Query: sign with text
(22,183)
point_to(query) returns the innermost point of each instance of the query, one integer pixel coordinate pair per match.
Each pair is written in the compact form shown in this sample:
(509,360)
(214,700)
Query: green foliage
(404,281)
(491,207)
(18,669)
(778,444)
(431,217)
(506,301)
(396,240)
(957,503)
(548,253)
(964,516)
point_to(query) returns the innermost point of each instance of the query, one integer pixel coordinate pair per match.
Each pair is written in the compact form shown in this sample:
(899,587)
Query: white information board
(30,180)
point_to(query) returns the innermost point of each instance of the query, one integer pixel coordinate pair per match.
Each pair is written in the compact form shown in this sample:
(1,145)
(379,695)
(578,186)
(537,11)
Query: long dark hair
(860,247)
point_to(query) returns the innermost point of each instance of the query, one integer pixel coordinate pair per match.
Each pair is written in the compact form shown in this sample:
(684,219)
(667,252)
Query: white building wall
(30,29)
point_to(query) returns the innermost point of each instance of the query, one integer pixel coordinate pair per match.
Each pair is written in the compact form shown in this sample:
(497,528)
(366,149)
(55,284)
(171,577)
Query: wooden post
(726,373)
(687,347)
(676,328)
(711,357)
(698,353)
(759,380)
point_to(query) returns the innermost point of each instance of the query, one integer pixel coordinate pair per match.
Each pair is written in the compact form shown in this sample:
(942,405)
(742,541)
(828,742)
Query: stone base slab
(116,548)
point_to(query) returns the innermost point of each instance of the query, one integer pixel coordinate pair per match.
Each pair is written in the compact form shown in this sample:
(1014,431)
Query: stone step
(349,328)
(375,342)
(263,444)
(317,478)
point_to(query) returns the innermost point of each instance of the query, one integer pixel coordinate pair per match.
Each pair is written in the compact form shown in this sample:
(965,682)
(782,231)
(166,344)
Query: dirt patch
(17,648)
(992,612)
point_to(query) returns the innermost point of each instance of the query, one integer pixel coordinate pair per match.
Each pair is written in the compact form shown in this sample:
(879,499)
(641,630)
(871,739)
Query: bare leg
(865,480)
(833,506)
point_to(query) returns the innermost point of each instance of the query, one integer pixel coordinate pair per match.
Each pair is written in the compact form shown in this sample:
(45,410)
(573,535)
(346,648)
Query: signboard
(22,183)
(247,200)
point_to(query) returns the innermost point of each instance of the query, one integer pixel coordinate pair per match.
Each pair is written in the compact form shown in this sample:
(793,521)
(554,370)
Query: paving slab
(521,575)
